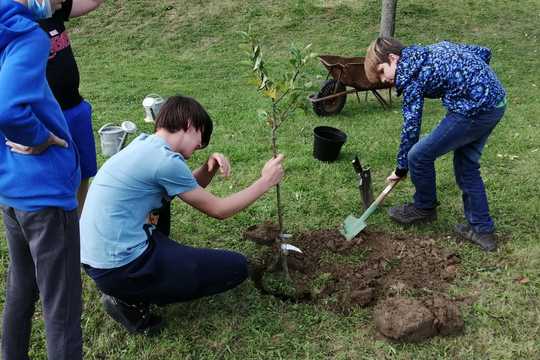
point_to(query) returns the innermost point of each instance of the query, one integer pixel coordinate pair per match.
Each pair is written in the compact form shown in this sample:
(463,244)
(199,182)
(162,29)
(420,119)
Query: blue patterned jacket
(458,74)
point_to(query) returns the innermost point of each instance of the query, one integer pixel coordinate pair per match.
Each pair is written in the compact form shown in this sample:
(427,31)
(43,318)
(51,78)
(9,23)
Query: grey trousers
(44,252)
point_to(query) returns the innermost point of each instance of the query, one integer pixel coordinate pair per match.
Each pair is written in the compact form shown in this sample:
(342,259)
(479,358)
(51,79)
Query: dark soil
(405,278)
(263,234)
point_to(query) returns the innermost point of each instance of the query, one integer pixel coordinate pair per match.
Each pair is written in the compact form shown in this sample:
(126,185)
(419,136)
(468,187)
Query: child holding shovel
(475,101)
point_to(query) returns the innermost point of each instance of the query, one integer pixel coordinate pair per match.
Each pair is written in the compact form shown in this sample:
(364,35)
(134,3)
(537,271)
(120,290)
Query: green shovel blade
(352,226)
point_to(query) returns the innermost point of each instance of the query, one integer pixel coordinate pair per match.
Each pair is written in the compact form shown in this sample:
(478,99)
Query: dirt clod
(404,320)
(414,320)
(448,320)
(262,234)
(363,297)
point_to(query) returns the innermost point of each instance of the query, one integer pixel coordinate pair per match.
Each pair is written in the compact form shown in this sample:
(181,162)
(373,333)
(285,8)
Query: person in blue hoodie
(475,100)
(39,177)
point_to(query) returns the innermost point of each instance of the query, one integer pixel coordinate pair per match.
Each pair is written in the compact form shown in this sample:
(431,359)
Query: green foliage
(288,89)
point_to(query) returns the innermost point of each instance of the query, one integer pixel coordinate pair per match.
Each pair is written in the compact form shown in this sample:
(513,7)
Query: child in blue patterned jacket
(475,100)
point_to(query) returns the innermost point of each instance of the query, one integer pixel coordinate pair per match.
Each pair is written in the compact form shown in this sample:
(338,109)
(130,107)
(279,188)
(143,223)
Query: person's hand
(218,161)
(38,149)
(273,170)
(393,177)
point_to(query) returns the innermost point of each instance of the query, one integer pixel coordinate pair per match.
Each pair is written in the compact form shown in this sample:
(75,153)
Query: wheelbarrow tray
(350,72)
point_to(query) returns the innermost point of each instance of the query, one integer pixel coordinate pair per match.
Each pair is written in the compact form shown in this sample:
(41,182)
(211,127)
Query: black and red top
(62,71)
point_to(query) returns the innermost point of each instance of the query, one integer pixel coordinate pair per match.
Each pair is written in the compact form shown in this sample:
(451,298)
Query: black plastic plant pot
(327,143)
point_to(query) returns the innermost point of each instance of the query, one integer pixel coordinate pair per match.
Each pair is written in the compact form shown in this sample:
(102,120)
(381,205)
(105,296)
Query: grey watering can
(113,137)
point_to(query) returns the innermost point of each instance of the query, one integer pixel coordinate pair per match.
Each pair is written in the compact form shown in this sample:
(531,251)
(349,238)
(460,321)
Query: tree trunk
(281,254)
(388,18)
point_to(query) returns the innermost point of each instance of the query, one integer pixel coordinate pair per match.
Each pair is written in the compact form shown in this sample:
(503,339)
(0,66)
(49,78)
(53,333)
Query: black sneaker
(486,241)
(136,318)
(408,214)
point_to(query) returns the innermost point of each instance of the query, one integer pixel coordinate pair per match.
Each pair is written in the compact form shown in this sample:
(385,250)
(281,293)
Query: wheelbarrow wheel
(331,106)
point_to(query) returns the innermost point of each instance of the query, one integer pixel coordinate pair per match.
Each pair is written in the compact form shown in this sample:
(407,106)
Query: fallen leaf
(522,280)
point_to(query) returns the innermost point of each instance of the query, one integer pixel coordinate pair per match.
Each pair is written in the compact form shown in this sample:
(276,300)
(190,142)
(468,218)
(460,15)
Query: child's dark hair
(179,112)
(377,53)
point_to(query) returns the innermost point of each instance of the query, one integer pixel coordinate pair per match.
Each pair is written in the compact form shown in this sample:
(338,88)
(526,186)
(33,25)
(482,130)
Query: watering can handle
(103,127)
(156,96)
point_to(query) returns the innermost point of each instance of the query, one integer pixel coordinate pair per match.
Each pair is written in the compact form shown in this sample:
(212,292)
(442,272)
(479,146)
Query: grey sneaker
(486,241)
(408,214)
(134,318)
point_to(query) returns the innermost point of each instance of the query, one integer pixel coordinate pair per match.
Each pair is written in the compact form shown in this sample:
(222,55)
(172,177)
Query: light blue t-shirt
(124,191)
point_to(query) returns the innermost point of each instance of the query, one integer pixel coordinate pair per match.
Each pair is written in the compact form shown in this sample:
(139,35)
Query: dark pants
(466,137)
(169,272)
(44,252)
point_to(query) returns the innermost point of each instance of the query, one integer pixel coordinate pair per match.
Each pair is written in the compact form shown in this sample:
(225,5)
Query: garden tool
(364,182)
(285,247)
(289,247)
(352,225)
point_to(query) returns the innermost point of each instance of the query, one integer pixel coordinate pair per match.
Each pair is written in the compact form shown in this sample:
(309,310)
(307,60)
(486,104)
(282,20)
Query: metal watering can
(113,137)
(152,104)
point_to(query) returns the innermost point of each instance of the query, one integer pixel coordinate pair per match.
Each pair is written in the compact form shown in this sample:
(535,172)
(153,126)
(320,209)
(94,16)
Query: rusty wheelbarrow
(345,72)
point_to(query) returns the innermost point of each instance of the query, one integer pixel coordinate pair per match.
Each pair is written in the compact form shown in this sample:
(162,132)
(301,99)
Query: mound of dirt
(373,268)
(262,234)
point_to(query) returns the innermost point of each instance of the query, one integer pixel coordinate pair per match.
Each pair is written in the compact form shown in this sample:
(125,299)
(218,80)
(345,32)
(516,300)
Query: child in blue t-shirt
(136,265)
(475,100)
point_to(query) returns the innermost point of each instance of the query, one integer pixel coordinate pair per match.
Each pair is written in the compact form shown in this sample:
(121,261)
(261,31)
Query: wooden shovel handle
(378,200)
(385,192)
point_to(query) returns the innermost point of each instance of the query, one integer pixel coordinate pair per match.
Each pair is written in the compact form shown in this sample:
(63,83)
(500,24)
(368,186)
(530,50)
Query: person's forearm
(82,7)
(203,176)
(230,205)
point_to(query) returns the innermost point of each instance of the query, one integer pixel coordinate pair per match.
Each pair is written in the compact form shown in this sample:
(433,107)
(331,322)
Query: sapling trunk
(282,255)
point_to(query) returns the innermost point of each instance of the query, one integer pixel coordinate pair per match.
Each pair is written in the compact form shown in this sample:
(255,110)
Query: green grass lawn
(128,49)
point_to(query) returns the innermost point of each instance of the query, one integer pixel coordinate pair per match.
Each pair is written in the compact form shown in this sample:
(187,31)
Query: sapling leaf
(271,92)
(264,82)
(262,115)
(257,63)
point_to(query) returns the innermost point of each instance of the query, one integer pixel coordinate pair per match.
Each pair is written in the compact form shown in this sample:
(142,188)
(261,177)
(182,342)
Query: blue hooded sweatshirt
(28,113)
(459,74)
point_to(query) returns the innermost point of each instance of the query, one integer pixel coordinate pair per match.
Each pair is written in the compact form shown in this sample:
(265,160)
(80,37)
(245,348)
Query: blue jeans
(466,137)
